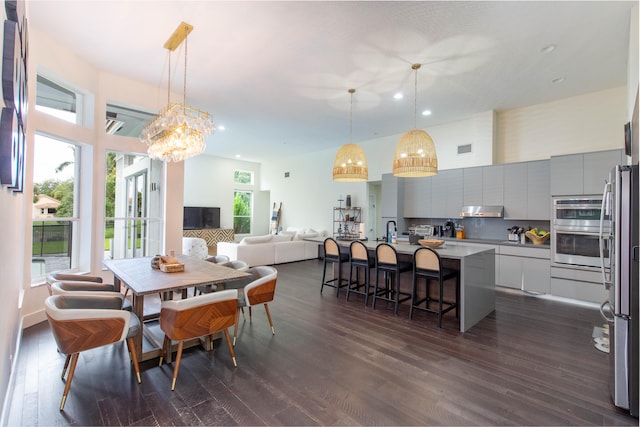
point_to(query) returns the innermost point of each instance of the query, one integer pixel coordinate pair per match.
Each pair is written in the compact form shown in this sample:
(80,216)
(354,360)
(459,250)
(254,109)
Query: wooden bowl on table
(432,243)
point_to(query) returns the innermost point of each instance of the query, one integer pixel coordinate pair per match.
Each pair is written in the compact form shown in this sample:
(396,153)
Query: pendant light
(350,164)
(415,152)
(179,131)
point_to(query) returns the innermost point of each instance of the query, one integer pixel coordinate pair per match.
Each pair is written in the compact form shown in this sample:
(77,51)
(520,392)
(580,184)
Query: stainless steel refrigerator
(619,256)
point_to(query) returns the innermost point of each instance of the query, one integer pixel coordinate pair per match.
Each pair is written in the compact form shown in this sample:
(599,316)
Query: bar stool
(387,263)
(428,265)
(360,260)
(332,255)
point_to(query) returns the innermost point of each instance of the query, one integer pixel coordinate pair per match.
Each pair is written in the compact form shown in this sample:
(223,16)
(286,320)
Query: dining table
(137,275)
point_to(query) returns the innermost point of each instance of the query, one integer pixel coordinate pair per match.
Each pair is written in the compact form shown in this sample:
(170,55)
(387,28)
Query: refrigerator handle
(601,239)
(609,319)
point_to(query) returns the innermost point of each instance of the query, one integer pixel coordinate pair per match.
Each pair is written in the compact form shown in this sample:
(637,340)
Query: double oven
(576,232)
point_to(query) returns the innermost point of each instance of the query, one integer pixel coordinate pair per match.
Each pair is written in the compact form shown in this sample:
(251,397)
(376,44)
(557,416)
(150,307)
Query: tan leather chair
(81,323)
(261,290)
(195,317)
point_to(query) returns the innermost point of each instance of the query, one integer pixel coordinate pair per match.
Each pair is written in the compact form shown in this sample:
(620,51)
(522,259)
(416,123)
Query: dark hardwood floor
(333,362)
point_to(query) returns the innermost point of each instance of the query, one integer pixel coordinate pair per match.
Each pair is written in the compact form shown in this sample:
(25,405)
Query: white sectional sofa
(288,246)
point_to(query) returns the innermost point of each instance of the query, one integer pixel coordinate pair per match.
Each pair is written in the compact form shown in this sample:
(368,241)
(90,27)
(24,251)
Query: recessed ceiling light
(237,156)
(548,48)
(220,127)
(426,113)
(558,80)
(398,96)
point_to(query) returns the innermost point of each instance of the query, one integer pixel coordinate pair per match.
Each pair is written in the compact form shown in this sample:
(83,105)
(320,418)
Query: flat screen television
(198,217)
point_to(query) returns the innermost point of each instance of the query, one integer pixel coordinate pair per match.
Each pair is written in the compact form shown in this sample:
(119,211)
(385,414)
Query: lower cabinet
(525,268)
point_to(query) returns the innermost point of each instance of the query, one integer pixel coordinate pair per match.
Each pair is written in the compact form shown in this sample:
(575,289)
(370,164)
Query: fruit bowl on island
(432,243)
(537,238)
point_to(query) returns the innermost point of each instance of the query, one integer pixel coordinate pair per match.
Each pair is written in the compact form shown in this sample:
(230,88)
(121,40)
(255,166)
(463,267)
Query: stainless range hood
(482,211)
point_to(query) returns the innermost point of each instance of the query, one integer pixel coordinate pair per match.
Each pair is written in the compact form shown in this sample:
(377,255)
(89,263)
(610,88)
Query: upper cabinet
(526,190)
(493,185)
(392,197)
(417,197)
(582,174)
(483,185)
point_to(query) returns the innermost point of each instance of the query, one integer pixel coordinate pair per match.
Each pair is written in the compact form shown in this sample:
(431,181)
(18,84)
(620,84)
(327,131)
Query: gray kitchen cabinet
(417,197)
(454,198)
(566,174)
(492,185)
(515,191)
(536,275)
(582,174)
(389,206)
(473,186)
(538,192)
(526,191)
(438,195)
(597,167)
(525,267)
(510,274)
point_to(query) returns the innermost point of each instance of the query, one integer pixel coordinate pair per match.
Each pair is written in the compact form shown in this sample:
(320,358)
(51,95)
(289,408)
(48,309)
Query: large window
(54,208)
(133,208)
(242,211)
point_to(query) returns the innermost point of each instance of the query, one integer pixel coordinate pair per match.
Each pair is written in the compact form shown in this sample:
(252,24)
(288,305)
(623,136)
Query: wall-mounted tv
(198,217)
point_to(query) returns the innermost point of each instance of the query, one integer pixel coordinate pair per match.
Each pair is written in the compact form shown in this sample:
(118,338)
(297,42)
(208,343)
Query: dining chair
(261,290)
(63,287)
(334,258)
(391,268)
(55,277)
(195,317)
(359,260)
(427,265)
(218,259)
(81,322)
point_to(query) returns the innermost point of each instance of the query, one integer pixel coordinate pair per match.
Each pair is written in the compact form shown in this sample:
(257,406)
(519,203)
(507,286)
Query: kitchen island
(477,275)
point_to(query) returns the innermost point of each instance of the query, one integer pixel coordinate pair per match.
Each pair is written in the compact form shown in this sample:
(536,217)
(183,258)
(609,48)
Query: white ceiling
(276,74)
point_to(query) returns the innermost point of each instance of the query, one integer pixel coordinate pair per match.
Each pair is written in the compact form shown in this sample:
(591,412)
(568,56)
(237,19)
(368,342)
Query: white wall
(591,122)
(208,181)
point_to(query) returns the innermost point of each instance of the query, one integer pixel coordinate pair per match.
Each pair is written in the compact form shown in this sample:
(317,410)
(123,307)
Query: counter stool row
(426,267)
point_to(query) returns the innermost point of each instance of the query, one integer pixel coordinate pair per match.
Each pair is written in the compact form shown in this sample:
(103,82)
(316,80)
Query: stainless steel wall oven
(575,237)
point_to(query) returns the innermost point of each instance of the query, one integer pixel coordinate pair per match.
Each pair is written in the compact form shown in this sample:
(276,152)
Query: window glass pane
(242,211)
(242,177)
(125,121)
(55,100)
(54,205)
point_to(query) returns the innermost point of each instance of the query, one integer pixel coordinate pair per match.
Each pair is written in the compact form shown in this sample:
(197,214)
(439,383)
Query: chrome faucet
(389,232)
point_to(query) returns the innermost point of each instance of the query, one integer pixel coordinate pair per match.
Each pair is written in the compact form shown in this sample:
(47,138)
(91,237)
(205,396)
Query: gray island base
(477,276)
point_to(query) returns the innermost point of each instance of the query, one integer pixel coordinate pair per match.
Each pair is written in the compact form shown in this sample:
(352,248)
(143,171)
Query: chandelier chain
(184,89)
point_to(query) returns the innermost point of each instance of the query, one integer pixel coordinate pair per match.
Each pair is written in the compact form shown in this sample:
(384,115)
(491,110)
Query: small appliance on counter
(449,229)
(514,234)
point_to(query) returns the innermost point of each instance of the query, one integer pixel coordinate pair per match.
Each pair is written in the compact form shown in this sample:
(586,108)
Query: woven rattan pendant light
(350,164)
(415,152)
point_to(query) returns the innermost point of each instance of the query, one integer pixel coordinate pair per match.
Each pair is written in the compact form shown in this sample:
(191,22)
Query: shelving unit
(346,223)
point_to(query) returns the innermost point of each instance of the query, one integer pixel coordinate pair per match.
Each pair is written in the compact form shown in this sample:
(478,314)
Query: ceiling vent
(462,149)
